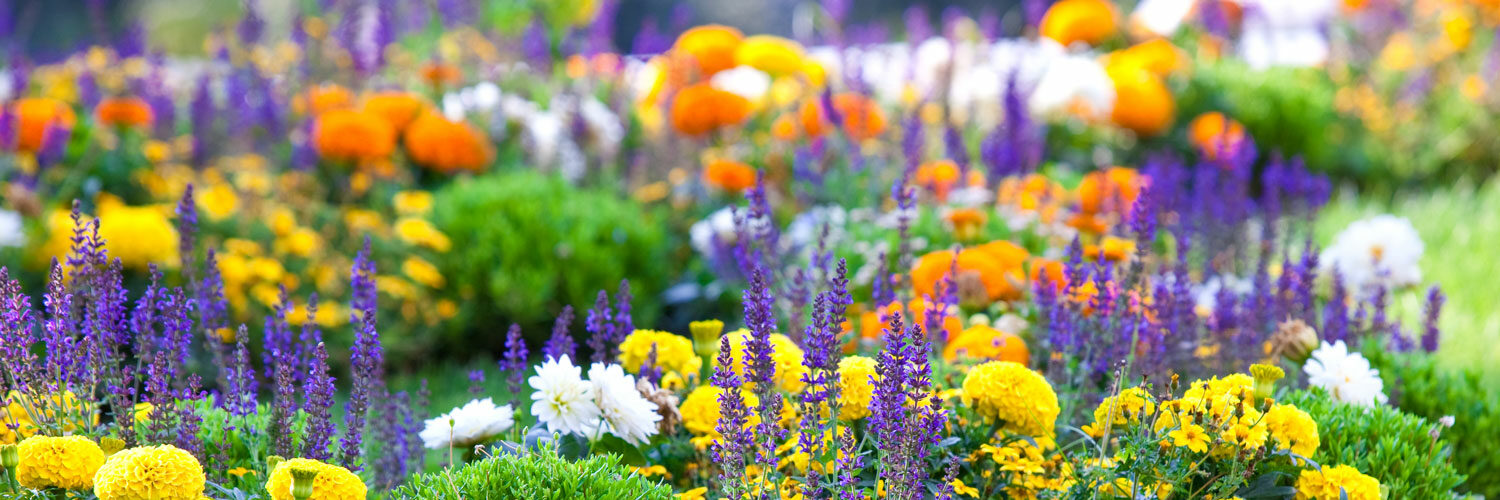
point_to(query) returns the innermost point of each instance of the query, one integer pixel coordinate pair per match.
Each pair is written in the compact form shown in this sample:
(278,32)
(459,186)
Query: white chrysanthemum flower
(12,229)
(1161,17)
(1346,375)
(466,426)
(626,413)
(563,400)
(1073,83)
(744,81)
(1384,250)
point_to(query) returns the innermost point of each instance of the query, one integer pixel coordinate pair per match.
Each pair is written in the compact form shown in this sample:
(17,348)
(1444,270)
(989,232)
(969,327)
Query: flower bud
(706,340)
(10,456)
(1294,340)
(302,482)
(273,461)
(1265,379)
(111,445)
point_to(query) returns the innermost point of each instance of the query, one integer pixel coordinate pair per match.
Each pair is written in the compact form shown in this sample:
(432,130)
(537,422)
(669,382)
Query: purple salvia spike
(561,342)
(624,323)
(318,436)
(239,395)
(599,324)
(1430,331)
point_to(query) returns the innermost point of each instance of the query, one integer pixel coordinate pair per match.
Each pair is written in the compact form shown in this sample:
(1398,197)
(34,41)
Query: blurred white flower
(1073,82)
(1206,295)
(720,225)
(603,124)
(744,81)
(1161,17)
(1384,250)
(12,229)
(472,424)
(1346,375)
(1285,32)
(564,402)
(805,230)
(626,412)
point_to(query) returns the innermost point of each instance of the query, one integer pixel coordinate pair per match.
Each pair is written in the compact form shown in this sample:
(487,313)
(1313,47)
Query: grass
(1460,227)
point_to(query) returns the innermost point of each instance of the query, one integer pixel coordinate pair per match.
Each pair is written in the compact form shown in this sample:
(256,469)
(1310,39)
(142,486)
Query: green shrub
(1422,388)
(525,244)
(535,475)
(1395,447)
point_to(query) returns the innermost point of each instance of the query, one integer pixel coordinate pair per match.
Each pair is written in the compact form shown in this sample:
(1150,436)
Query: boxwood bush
(1395,447)
(538,474)
(1423,388)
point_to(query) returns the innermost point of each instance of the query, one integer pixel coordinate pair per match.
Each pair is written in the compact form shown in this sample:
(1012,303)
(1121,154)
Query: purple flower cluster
(906,418)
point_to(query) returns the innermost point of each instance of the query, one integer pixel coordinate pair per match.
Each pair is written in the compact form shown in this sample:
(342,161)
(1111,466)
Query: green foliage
(525,244)
(539,474)
(1383,442)
(1427,391)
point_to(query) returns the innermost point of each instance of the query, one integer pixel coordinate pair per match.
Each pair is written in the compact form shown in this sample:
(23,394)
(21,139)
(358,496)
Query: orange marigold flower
(124,112)
(966,222)
(860,116)
(993,267)
(396,107)
(700,109)
(356,136)
(986,343)
(941,177)
(873,323)
(1158,56)
(1214,133)
(35,116)
(447,146)
(769,53)
(1087,21)
(730,176)
(324,98)
(711,46)
(439,74)
(1143,103)
(1114,189)
(784,128)
(1051,269)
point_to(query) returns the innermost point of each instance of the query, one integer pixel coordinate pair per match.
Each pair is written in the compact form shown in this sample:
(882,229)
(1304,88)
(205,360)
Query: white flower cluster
(1384,250)
(1346,375)
(474,423)
(606,403)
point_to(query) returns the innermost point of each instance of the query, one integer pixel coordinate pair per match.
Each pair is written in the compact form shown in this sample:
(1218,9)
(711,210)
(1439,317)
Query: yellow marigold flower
(240,472)
(700,410)
(712,48)
(769,53)
(786,356)
(959,488)
(1337,483)
(413,202)
(674,353)
(1293,429)
(156,472)
(218,201)
(1087,21)
(698,493)
(58,462)
(1011,393)
(361,220)
(1126,408)
(333,482)
(138,235)
(417,231)
(856,387)
(1190,436)
(1249,433)
(302,242)
(422,272)
(142,411)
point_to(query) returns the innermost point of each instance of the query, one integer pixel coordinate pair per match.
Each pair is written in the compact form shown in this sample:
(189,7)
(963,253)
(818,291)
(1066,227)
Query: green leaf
(629,454)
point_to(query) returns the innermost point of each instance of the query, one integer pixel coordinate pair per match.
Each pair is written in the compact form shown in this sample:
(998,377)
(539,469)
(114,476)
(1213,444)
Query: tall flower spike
(514,363)
(624,323)
(318,433)
(1435,299)
(240,394)
(561,342)
(600,325)
(366,360)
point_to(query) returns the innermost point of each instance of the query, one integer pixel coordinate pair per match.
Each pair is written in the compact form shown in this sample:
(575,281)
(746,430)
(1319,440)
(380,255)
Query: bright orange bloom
(1114,189)
(873,323)
(860,116)
(784,128)
(1214,133)
(941,177)
(355,136)
(324,98)
(986,343)
(711,47)
(730,176)
(447,146)
(1051,269)
(1087,21)
(772,54)
(396,107)
(700,109)
(1158,56)
(439,74)
(993,266)
(35,116)
(1142,102)
(124,112)
(966,222)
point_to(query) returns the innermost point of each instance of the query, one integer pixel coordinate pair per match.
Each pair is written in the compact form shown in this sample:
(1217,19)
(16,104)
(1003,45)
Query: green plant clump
(526,243)
(1394,447)
(539,474)
(1432,393)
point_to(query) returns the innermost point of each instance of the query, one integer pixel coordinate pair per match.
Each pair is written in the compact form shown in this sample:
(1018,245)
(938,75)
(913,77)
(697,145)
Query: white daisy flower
(1384,250)
(1346,375)
(564,401)
(474,423)
(626,413)
(12,229)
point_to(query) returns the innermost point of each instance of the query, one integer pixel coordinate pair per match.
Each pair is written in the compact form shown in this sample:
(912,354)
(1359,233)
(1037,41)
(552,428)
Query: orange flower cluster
(397,108)
(353,136)
(1087,21)
(1142,101)
(700,108)
(984,342)
(995,269)
(940,177)
(729,176)
(322,99)
(1109,191)
(860,116)
(1215,134)
(873,323)
(35,117)
(124,112)
(447,146)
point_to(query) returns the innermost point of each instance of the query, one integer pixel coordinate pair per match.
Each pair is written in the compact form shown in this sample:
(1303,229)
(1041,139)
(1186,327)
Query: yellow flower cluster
(62,406)
(1028,467)
(333,482)
(674,354)
(137,235)
(785,354)
(1293,429)
(1128,407)
(58,462)
(156,472)
(1338,482)
(1014,395)
(856,387)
